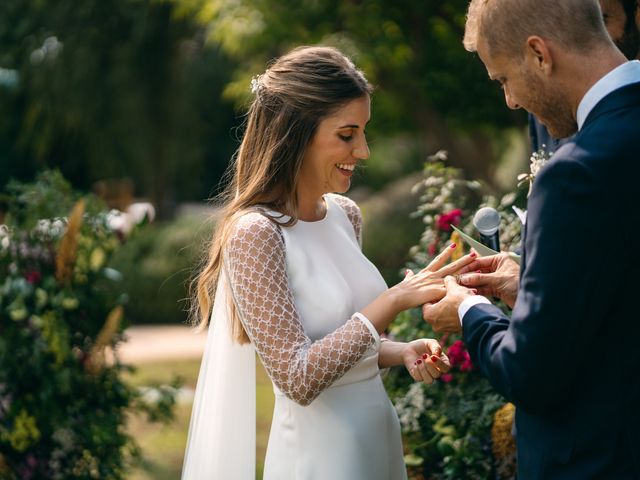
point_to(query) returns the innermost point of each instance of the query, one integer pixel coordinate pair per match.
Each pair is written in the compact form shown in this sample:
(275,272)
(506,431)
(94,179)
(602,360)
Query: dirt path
(151,343)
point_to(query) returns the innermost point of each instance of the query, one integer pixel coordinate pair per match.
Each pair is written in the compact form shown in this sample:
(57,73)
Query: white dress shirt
(625,74)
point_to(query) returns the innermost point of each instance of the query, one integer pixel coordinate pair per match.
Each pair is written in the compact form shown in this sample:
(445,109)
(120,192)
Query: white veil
(222,433)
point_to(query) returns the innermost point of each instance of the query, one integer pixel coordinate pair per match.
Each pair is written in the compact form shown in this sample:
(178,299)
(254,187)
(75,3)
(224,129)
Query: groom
(569,356)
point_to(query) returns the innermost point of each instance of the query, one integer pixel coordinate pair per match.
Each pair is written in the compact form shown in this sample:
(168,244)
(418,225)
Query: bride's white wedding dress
(298,290)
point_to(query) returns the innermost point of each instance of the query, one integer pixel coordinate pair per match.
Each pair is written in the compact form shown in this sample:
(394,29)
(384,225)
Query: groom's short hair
(505,25)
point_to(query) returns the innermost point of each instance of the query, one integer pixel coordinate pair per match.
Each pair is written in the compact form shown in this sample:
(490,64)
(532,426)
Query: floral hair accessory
(256,84)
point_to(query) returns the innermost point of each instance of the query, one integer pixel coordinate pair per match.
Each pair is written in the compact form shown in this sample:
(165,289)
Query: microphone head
(487,221)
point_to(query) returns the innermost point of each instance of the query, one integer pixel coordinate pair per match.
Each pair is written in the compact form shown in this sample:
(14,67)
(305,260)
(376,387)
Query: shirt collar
(621,76)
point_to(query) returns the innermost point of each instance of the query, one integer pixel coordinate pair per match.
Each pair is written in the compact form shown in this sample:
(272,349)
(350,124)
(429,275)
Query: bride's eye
(345,138)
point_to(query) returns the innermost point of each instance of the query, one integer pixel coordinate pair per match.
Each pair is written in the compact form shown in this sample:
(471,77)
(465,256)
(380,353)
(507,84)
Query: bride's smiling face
(336,148)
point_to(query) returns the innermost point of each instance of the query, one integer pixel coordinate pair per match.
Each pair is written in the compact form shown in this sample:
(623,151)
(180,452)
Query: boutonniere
(537,162)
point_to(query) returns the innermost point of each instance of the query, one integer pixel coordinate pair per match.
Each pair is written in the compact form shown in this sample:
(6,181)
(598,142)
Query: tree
(112,89)
(428,84)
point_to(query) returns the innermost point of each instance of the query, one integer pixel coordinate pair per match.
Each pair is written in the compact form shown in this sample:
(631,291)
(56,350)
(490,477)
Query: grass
(163,445)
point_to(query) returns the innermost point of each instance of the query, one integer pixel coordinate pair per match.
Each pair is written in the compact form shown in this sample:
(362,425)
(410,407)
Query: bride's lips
(346,169)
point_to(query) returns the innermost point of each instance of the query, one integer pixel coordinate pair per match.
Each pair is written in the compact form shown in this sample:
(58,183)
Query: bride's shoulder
(254,224)
(349,206)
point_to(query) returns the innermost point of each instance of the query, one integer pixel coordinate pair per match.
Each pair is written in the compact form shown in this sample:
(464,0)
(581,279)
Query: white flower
(4,237)
(51,228)
(411,407)
(119,222)
(256,84)
(537,161)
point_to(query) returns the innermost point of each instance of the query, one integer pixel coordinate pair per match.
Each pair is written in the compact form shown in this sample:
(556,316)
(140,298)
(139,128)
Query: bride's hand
(425,360)
(427,285)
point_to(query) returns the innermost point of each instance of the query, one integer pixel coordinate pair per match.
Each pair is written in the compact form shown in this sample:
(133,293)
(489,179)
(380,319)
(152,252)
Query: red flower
(446,378)
(459,356)
(456,353)
(33,276)
(466,366)
(433,247)
(445,220)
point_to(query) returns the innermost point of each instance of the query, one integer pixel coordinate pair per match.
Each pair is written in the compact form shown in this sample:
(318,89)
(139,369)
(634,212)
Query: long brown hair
(291,98)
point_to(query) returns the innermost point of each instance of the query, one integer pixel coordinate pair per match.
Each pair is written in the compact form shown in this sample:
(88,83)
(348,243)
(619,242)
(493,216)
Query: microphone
(487,222)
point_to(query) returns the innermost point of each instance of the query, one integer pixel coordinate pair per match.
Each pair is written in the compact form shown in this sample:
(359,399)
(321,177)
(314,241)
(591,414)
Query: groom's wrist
(469,302)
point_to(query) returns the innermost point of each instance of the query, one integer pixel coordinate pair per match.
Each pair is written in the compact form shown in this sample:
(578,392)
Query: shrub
(157,263)
(63,406)
(448,426)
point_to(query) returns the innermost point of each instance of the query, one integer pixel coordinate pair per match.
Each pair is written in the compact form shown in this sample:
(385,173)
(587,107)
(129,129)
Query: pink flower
(446,378)
(466,365)
(456,353)
(33,276)
(445,220)
(459,356)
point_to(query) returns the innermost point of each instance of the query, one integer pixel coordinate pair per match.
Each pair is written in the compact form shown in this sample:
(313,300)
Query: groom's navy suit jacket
(569,357)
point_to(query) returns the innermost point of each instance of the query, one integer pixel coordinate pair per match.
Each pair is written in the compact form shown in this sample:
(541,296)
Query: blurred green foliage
(412,50)
(116,88)
(146,89)
(157,262)
(63,406)
(428,85)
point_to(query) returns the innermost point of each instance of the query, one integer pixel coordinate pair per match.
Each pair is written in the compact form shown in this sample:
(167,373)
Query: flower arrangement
(458,427)
(63,406)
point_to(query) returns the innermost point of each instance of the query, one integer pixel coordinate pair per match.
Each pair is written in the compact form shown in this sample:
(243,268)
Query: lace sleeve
(353,213)
(256,267)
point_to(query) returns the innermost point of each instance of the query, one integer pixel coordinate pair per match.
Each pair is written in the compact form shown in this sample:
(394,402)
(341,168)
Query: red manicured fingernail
(418,362)
(425,356)
(434,359)
(453,245)
(475,292)
(473,254)
(478,271)
(406,272)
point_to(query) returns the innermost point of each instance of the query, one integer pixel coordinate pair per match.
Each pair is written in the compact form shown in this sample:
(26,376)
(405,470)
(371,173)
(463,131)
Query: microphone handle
(491,241)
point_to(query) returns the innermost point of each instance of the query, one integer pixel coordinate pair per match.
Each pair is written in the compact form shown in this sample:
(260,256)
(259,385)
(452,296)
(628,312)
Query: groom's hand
(443,315)
(495,276)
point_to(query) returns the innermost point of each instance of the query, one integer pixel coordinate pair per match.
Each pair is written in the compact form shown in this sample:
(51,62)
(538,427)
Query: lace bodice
(255,263)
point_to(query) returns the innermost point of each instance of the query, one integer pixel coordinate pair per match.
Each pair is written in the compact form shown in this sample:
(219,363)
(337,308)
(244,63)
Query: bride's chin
(343,188)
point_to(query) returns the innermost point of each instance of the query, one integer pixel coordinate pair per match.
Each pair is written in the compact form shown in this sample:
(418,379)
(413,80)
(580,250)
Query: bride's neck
(311,209)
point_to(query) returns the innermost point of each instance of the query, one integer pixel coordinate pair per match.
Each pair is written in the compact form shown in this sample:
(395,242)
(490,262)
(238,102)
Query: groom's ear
(538,55)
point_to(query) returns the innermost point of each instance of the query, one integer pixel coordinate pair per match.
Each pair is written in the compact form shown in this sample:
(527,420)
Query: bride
(286,278)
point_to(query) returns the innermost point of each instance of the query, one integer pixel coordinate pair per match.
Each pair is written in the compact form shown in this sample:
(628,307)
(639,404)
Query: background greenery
(162,446)
(450,428)
(144,100)
(157,263)
(146,89)
(63,406)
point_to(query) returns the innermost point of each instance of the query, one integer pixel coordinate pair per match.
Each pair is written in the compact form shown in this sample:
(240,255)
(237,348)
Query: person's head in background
(622,19)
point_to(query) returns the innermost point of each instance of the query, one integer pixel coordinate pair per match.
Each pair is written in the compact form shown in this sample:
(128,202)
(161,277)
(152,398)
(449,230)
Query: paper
(522,214)
(482,250)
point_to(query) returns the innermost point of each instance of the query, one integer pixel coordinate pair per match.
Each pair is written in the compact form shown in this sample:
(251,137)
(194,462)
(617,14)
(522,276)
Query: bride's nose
(361,151)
